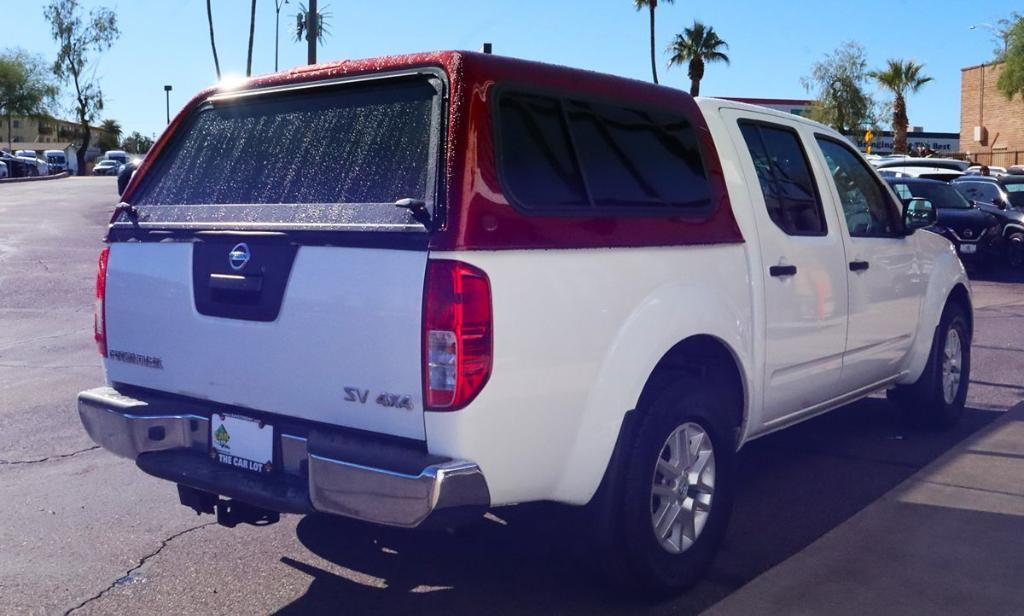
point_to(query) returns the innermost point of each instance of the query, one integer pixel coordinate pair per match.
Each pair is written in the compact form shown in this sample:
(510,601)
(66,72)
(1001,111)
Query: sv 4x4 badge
(385,399)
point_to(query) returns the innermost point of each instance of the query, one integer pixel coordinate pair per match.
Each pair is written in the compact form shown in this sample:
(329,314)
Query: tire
(1015,250)
(635,556)
(937,399)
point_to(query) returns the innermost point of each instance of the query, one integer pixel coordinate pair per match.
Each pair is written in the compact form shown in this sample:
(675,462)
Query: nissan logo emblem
(239,256)
(968,233)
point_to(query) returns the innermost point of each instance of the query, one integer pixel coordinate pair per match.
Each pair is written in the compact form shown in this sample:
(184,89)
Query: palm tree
(651,5)
(252,31)
(213,43)
(901,77)
(113,127)
(304,21)
(697,45)
(110,136)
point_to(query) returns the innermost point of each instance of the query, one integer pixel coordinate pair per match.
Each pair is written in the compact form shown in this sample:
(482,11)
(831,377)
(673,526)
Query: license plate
(242,442)
(968,249)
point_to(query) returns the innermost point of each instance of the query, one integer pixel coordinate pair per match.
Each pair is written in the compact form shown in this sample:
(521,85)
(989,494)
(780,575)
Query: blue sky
(772,43)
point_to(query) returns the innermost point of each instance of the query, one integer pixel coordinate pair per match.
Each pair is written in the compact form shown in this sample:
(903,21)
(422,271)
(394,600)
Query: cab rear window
(566,155)
(328,155)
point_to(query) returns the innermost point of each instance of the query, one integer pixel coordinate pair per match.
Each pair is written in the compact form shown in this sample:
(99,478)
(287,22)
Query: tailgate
(343,348)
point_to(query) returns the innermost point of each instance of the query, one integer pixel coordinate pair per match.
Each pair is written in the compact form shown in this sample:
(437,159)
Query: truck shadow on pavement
(796,485)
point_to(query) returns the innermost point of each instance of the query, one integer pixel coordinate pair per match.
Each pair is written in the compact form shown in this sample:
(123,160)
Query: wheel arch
(706,356)
(949,284)
(709,358)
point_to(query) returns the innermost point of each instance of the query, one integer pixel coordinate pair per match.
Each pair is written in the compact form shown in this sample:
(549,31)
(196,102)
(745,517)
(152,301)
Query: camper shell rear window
(315,156)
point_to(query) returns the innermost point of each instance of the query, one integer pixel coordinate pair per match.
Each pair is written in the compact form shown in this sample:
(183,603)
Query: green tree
(304,27)
(838,83)
(651,6)
(26,87)
(1002,34)
(78,41)
(136,143)
(900,78)
(213,41)
(697,46)
(1011,81)
(110,137)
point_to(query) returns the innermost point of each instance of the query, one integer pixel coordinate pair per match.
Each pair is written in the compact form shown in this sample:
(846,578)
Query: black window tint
(869,210)
(633,158)
(322,156)
(536,155)
(567,155)
(786,182)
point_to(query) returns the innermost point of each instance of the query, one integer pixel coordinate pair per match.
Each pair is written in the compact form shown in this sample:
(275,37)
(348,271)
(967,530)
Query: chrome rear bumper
(131,427)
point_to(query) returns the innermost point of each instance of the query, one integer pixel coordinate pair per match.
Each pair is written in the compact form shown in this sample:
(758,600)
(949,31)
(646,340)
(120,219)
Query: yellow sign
(869,136)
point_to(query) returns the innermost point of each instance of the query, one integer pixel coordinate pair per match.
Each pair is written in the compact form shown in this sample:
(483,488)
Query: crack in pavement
(59,456)
(163,544)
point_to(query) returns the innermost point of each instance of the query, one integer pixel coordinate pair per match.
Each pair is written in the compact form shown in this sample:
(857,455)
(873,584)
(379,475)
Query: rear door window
(790,193)
(562,155)
(321,156)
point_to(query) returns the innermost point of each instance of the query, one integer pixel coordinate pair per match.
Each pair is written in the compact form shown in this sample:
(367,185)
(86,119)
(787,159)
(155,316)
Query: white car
(922,172)
(106,167)
(557,286)
(993,171)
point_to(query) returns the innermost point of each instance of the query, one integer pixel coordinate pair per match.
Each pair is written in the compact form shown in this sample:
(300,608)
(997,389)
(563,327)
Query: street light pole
(167,92)
(277,32)
(997,32)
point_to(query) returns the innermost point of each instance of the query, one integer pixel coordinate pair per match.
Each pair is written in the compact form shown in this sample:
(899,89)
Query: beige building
(991,126)
(38,133)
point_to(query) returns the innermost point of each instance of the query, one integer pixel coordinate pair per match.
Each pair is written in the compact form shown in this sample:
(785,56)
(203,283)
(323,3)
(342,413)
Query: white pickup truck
(411,288)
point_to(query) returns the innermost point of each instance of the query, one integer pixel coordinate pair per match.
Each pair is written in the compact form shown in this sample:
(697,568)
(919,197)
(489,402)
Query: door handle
(782,271)
(859,266)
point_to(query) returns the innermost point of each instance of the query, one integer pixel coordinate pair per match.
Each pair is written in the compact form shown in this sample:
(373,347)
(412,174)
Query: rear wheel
(937,398)
(670,510)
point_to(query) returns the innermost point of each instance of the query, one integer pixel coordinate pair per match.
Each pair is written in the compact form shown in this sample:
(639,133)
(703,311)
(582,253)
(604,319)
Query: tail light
(457,334)
(100,308)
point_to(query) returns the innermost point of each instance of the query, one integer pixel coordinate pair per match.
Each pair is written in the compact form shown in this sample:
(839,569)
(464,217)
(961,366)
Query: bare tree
(79,38)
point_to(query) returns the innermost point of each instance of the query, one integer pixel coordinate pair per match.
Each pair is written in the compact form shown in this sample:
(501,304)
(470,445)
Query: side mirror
(918,214)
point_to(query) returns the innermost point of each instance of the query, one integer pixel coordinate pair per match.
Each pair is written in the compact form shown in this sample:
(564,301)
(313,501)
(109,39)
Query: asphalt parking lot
(84,531)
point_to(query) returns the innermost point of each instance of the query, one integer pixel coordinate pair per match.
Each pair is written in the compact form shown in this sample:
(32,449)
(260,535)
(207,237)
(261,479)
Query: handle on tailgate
(236,282)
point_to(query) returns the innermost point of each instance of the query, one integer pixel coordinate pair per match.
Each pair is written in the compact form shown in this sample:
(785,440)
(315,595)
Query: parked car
(19,167)
(42,167)
(950,164)
(58,161)
(4,173)
(993,171)
(976,234)
(125,173)
(1004,198)
(118,155)
(106,167)
(557,285)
